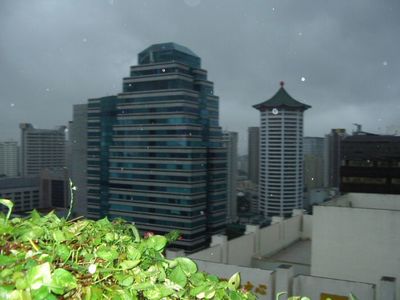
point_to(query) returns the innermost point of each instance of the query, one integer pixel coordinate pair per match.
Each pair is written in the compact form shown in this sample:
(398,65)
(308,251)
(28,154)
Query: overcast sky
(340,57)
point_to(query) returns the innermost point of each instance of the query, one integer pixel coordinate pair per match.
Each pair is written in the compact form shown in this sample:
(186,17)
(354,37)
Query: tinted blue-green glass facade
(155,151)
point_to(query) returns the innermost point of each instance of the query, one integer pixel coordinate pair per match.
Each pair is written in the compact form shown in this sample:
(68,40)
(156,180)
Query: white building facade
(41,149)
(9,158)
(281,154)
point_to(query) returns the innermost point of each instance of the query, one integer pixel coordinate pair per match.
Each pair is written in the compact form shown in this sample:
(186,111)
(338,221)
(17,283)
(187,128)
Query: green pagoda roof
(282,99)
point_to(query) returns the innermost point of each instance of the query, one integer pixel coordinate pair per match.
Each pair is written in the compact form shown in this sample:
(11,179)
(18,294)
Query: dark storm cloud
(57,53)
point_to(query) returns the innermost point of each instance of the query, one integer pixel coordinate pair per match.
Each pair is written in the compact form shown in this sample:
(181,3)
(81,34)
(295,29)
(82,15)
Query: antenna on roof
(358,128)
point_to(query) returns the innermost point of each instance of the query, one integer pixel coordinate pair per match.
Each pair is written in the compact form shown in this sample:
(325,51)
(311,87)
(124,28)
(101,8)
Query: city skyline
(341,57)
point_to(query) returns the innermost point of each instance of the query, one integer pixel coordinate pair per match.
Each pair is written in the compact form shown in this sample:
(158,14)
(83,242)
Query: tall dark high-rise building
(77,162)
(155,151)
(332,157)
(253,154)
(231,143)
(370,164)
(313,163)
(281,154)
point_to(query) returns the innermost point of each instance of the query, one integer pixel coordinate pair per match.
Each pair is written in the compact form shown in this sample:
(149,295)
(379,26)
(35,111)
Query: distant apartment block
(41,148)
(77,166)
(231,143)
(9,158)
(281,154)
(253,154)
(155,151)
(370,164)
(332,157)
(24,192)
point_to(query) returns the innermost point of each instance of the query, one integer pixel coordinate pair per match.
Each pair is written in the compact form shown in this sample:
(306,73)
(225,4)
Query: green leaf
(152,294)
(187,265)
(32,233)
(234,282)
(107,253)
(93,293)
(42,293)
(135,233)
(234,295)
(352,297)
(62,281)
(63,251)
(6,260)
(59,236)
(178,276)
(157,242)
(38,276)
(197,279)
(21,284)
(133,253)
(125,280)
(213,278)
(129,264)
(9,205)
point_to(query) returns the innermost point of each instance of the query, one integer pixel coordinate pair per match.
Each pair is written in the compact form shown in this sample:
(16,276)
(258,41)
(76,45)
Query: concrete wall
(212,254)
(256,241)
(356,244)
(307,227)
(258,281)
(279,235)
(313,287)
(241,250)
(362,200)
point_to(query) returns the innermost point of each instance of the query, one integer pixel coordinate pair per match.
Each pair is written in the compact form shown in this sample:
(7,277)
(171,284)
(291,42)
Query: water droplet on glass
(84,40)
(273,9)
(303,79)
(202,212)
(163,70)
(12,104)
(385,63)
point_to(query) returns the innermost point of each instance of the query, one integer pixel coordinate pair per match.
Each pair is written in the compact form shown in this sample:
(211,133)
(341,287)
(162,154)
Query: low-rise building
(348,246)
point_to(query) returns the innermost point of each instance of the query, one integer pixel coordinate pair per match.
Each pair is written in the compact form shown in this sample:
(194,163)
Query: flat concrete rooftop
(367,201)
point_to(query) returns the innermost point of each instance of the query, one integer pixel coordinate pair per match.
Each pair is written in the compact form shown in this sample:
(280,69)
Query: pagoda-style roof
(282,99)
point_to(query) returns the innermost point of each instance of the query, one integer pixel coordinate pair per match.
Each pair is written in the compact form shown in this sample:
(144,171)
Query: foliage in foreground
(45,257)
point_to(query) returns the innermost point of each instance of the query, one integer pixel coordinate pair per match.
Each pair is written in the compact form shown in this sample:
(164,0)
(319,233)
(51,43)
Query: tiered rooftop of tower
(282,99)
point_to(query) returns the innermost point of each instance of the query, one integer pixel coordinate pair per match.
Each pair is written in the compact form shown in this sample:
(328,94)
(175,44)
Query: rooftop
(366,201)
(169,46)
(282,99)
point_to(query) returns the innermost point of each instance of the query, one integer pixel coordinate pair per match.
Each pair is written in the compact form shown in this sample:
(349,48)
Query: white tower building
(281,154)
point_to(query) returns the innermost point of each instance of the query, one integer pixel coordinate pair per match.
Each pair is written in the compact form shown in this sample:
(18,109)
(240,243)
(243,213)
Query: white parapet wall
(357,240)
(255,242)
(260,282)
(315,287)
